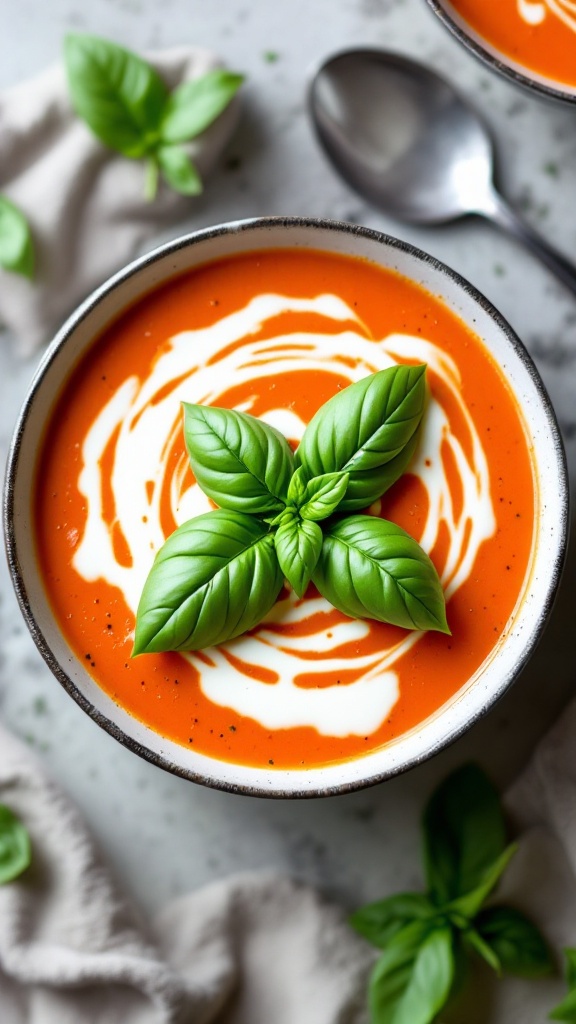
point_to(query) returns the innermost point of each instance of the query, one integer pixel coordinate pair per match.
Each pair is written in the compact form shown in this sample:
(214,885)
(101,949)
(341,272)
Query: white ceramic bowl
(497,60)
(509,655)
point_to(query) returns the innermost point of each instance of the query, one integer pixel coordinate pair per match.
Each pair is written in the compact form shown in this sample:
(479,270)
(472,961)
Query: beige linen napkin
(85,203)
(248,950)
(251,949)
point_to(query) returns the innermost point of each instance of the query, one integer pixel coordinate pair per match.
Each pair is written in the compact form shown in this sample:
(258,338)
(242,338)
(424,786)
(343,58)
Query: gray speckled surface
(163,835)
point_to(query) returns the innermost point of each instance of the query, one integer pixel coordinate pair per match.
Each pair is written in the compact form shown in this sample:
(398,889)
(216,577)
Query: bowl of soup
(272,317)
(532,42)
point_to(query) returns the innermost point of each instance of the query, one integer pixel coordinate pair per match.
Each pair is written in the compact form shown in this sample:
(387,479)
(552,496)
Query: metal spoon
(404,139)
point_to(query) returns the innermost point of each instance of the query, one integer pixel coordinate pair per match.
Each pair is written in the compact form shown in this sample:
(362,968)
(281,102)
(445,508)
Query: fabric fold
(250,949)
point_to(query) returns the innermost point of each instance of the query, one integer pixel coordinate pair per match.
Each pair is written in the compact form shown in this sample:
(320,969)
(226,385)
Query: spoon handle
(498,211)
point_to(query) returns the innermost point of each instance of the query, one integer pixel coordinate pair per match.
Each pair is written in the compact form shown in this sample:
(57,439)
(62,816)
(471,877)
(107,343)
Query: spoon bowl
(401,136)
(407,141)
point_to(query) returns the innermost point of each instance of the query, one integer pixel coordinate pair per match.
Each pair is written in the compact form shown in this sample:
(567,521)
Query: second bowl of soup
(533,42)
(273,317)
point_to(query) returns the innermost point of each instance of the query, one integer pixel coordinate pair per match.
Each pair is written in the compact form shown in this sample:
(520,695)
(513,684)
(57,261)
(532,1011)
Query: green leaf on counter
(467,906)
(464,834)
(566,1010)
(119,96)
(178,170)
(515,940)
(379,922)
(413,977)
(194,105)
(16,245)
(15,850)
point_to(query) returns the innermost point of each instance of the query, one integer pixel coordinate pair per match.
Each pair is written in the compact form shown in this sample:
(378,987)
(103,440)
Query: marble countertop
(162,835)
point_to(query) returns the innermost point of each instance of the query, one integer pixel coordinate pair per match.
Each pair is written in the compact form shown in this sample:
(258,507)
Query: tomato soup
(538,34)
(276,334)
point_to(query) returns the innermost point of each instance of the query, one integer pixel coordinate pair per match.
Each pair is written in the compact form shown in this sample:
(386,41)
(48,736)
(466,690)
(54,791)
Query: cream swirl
(533,12)
(142,421)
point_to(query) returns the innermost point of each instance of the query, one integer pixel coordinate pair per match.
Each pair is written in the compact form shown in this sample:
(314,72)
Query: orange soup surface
(276,334)
(539,34)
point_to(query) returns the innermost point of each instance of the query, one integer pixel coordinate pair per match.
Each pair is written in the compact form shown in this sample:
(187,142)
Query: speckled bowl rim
(68,329)
(497,60)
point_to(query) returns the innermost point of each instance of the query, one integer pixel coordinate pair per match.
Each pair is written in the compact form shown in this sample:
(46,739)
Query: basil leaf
(119,96)
(566,1011)
(371,484)
(570,955)
(297,487)
(464,834)
(412,979)
(379,922)
(239,461)
(323,495)
(15,853)
(515,940)
(16,246)
(362,429)
(369,568)
(194,105)
(215,577)
(298,545)
(470,904)
(179,171)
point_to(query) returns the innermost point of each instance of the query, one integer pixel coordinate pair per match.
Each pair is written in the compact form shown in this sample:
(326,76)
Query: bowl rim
(9,513)
(500,63)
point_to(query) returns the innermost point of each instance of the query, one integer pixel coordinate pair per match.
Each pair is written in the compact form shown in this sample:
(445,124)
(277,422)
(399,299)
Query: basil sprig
(15,853)
(125,103)
(424,937)
(280,517)
(16,245)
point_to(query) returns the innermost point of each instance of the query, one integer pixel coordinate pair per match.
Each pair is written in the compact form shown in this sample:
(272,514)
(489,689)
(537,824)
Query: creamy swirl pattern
(141,423)
(533,12)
